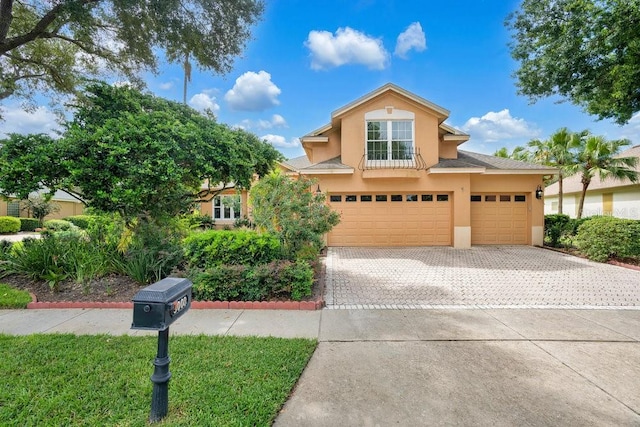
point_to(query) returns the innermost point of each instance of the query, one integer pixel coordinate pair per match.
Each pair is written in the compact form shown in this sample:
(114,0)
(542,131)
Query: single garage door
(499,219)
(391,219)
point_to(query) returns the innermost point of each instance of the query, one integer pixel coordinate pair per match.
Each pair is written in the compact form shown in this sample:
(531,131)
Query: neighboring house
(392,168)
(68,206)
(604,197)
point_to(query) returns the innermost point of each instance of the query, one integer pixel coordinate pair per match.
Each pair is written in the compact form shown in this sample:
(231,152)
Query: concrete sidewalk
(499,367)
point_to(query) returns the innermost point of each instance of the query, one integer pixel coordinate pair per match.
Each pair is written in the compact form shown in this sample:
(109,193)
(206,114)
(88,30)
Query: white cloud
(348,46)
(253,92)
(412,38)
(281,141)
(166,85)
(203,101)
(17,120)
(631,130)
(497,126)
(277,121)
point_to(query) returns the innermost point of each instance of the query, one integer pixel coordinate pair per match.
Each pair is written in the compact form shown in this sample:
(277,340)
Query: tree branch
(39,28)
(6,16)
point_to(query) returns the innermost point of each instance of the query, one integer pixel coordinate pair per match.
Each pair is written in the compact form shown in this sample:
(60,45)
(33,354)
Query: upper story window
(227,206)
(390,138)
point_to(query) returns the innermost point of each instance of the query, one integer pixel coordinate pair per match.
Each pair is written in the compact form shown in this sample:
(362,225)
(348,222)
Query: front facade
(392,168)
(604,197)
(66,204)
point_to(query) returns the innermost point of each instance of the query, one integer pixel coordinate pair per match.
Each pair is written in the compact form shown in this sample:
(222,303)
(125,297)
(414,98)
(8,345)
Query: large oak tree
(586,51)
(51,45)
(136,154)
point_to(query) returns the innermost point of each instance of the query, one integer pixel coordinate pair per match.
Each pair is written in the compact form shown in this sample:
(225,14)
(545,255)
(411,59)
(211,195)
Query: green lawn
(13,298)
(54,380)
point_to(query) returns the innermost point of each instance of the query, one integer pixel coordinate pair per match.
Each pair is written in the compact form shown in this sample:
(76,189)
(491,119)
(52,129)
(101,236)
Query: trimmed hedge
(9,225)
(278,279)
(211,248)
(29,224)
(559,229)
(58,225)
(604,237)
(82,221)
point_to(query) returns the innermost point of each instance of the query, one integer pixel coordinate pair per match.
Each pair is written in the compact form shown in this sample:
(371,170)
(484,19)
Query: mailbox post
(155,308)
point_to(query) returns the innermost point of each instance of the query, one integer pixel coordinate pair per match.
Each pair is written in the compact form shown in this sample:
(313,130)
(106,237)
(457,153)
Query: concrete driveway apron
(480,277)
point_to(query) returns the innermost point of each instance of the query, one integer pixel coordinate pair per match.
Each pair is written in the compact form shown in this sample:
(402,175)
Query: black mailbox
(159,305)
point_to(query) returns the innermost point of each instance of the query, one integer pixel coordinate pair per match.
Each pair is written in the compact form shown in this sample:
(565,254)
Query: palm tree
(558,152)
(518,153)
(597,156)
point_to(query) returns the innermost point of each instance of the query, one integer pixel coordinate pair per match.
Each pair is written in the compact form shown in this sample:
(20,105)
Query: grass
(52,380)
(13,298)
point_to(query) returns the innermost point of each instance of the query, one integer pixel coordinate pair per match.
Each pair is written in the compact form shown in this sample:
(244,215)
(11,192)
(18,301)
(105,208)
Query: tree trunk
(560,196)
(585,185)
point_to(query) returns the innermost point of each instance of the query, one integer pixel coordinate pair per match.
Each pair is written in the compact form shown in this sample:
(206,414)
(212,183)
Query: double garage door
(400,219)
(391,219)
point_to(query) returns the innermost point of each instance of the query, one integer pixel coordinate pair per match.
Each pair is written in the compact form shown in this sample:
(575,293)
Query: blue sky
(307,59)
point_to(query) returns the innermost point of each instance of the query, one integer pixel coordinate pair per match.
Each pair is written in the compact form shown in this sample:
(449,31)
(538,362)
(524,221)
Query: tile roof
(468,159)
(573,183)
(302,163)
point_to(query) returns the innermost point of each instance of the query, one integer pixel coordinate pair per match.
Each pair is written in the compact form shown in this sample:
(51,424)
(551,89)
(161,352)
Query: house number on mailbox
(179,305)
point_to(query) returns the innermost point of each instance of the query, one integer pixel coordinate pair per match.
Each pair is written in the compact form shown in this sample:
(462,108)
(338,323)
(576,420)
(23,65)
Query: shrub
(81,221)
(197,220)
(554,228)
(278,279)
(9,224)
(601,238)
(58,225)
(216,247)
(29,224)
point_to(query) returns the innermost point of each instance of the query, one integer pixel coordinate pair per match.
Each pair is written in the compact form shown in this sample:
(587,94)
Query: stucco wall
(626,204)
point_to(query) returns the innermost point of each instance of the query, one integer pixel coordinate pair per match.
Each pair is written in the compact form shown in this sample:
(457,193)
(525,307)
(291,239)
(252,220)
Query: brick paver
(480,277)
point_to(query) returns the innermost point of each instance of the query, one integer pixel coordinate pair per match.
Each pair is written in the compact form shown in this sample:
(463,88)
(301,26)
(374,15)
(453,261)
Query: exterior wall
(206,208)
(448,150)
(353,129)
(321,151)
(625,203)
(67,208)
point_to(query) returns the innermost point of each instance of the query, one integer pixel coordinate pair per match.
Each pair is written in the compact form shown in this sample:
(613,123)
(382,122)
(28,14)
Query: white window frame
(388,116)
(227,212)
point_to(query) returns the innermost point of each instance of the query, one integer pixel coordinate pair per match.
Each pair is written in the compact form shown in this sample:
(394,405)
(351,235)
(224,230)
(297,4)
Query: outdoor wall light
(318,189)
(539,192)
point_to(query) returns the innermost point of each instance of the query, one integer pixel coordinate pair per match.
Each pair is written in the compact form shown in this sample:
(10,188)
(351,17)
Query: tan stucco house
(67,206)
(604,197)
(394,171)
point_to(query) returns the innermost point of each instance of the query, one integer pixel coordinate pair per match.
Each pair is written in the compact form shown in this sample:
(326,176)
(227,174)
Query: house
(604,197)
(67,206)
(394,171)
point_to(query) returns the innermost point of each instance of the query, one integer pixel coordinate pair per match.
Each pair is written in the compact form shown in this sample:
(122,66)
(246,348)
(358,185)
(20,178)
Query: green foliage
(9,224)
(5,249)
(598,156)
(80,221)
(289,209)
(55,46)
(278,279)
(59,225)
(519,153)
(243,222)
(101,380)
(13,298)
(216,247)
(196,220)
(29,224)
(554,228)
(29,163)
(58,256)
(602,238)
(583,50)
(147,157)
(40,207)
(153,252)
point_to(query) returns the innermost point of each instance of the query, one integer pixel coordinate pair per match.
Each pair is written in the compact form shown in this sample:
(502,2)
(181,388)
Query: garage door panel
(399,223)
(499,221)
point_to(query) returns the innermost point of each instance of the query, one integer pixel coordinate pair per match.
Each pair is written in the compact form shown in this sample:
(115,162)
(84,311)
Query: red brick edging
(224,305)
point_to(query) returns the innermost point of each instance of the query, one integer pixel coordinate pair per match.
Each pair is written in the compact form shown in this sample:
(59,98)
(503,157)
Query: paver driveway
(483,276)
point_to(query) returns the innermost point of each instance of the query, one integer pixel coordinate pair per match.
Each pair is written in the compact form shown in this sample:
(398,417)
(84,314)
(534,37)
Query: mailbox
(159,305)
